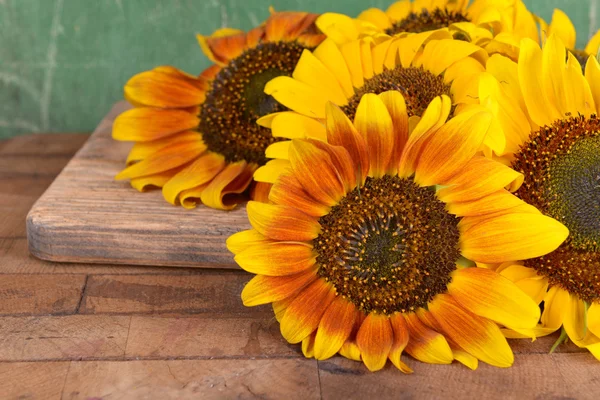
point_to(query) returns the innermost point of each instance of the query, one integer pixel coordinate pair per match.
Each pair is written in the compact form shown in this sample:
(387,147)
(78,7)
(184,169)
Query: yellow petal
(145,124)
(514,236)
(281,222)
(425,344)
(334,328)
(297,96)
(477,336)
(375,124)
(311,71)
(303,315)
(266,289)
(401,339)
(240,241)
(488,294)
(562,26)
(277,258)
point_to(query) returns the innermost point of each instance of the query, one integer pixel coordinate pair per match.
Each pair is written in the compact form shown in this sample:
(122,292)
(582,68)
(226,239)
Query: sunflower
(495,25)
(358,252)
(422,67)
(548,109)
(196,137)
(562,27)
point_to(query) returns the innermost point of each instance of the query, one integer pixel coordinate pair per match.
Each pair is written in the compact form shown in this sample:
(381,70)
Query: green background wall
(63,62)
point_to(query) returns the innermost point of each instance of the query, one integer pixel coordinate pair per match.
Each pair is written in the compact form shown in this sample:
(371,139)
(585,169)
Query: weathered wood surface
(87,331)
(87,217)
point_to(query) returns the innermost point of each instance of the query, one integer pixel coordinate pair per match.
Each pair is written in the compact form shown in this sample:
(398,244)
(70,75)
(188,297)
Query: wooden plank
(40,294)
(85,216)
(209,292)
(46,145)
(15,257)
(72,337)
(193,379)
(202,336)
(33,380)
(533,376)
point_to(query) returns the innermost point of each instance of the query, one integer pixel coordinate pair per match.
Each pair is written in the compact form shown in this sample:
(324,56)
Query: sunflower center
(388,246)
(236,100)
(419,88)
(561,164)
(426,21)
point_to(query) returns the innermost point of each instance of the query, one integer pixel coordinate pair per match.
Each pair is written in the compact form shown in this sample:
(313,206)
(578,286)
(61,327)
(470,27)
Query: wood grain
(85,216)
(33,380)
(206,293)
(63,338)
(193,379)
(40,294)
(533,376)
(206,336)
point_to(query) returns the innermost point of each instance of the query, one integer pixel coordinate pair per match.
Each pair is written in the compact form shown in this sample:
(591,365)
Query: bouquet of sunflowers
(421,179)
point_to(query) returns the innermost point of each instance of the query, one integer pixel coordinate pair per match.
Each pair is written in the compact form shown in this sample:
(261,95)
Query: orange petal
(375,124)
(490,295)
(375,339)
(198,173)
(434,117)
(141,150)
(480,177)
(457,352)
(335,327)
(168,158)
(451,148)
(158,89)
(280,24)
(259,191)
(267,289)
(315,171)
(304,314)
(401,338)
(341,132)
(223,48)
(287,191)
(478,336)
(224,191)
(145,124)
(396,106)
(243,240)
(425,344)
(342,161)
(282,222)
(277,259)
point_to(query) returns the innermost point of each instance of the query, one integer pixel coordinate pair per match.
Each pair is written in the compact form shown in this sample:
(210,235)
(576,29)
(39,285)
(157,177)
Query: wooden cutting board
(87,217)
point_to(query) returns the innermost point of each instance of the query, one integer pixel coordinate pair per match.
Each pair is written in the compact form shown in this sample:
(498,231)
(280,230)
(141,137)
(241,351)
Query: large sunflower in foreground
(562,27)
(196,137)
(358,251)
(421,67)
(495,25)
(548,109)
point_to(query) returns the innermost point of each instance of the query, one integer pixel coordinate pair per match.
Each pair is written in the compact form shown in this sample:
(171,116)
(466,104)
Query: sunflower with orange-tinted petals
(196,137)
(421,67)
(548,108)
(360,247)
(496,25)
(561,26)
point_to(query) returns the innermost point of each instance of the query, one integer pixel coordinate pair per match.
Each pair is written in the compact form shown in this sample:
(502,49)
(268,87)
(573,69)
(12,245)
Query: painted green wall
(63,62)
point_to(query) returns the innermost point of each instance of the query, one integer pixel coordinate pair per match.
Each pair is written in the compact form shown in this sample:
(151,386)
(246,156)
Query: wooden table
(112,332)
